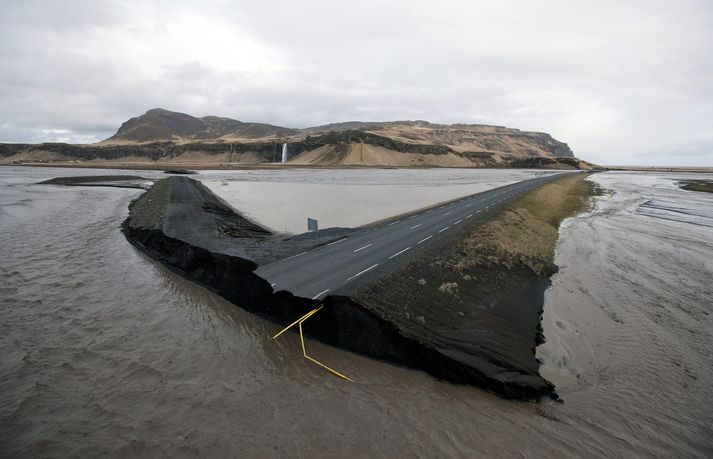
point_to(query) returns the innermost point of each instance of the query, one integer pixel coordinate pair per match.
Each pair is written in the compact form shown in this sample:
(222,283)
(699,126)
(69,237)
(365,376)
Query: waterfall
(284,152)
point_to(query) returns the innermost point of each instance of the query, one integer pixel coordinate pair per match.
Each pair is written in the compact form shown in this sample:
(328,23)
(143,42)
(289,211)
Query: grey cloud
(621,82)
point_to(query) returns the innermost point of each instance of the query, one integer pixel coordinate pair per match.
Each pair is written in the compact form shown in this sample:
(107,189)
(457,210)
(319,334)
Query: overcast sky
(623,82)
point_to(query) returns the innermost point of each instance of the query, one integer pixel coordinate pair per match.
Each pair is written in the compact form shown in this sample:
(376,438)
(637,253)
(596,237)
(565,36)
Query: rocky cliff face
(461,138)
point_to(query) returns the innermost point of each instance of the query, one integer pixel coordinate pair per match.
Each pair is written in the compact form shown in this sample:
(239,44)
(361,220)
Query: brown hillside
(158,125)
(163,137)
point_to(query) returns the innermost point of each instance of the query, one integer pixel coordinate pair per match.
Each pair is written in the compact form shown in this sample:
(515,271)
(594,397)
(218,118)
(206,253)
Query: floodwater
(105,352)
(283,200)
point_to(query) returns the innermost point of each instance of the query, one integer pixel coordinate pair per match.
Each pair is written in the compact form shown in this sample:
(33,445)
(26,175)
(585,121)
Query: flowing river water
(103,351)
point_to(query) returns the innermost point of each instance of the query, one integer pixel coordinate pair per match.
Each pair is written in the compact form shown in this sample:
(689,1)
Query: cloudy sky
(623,82)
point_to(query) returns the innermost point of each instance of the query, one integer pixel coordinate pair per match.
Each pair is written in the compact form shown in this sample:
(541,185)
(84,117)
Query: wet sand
(106,352)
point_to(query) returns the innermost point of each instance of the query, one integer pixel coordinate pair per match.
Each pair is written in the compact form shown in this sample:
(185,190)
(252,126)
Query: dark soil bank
(480,331)
(486,318)
(114,181)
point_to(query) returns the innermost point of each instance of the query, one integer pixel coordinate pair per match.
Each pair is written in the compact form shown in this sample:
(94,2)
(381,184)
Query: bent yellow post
(299,322)
(304,317)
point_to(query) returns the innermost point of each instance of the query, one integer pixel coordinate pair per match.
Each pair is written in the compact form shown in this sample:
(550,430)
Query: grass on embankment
(526,230)
(705,186)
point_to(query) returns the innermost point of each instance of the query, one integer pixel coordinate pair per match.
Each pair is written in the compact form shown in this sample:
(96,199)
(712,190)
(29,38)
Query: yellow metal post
(298,322)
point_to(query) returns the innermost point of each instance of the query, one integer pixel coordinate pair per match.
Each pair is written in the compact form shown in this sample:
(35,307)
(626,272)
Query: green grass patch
(526,231)
(705,186)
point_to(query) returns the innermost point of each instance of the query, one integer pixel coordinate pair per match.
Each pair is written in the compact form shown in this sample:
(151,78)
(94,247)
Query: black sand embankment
(486,317)
(480,328)
(114,181)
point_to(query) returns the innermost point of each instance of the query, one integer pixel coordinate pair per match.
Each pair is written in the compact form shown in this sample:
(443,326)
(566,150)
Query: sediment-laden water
(104,351)
(283,199)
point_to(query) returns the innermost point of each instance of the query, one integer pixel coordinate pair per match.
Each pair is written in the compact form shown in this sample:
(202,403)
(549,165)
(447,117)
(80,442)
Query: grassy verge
(526,231)
(705,186)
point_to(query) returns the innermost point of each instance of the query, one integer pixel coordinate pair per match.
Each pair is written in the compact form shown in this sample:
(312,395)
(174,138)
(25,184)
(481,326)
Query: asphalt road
(341,266)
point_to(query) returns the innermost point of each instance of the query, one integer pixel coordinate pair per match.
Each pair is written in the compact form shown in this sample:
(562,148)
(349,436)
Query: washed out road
(341,266)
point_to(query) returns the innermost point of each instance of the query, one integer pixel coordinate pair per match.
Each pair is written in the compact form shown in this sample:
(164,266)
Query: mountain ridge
(162,136)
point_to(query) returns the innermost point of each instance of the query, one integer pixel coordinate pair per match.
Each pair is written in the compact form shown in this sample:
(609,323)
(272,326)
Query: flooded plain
(105,352)
(283,199)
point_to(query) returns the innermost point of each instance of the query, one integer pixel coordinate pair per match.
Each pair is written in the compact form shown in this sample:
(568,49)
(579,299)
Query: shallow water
(105,351)
(282,200)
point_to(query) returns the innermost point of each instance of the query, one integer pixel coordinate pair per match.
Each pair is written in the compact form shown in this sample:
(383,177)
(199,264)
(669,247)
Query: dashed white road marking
(454,224)
(393,223)
(413,216)
(337,242)
(273,284)
(362,248)
(477,212)
(293,256)
(362,272)
(447,213)
(425,239)
(399,253)
(469,215)
(428,211)
(415,226)
(319,294)
(443,229)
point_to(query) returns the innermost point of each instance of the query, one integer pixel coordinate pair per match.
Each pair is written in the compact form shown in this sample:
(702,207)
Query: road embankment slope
(477,298)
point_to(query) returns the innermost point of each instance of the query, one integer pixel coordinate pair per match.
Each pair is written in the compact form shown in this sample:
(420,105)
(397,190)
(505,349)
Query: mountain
(470,140)
(163,125)
(162,137)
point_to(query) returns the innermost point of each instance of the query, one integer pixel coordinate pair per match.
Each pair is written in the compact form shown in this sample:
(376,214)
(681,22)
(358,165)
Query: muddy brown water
(105,352)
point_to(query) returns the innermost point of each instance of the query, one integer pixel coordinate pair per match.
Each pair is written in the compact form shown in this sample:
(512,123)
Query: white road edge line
(425,239)
(337,242)
(457,222)
(415,226)
(319,294)
(362,248)
(399,253)
(428,211)
(293,256)
(362,272)
(469,215)
(443,229)
(477,212)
